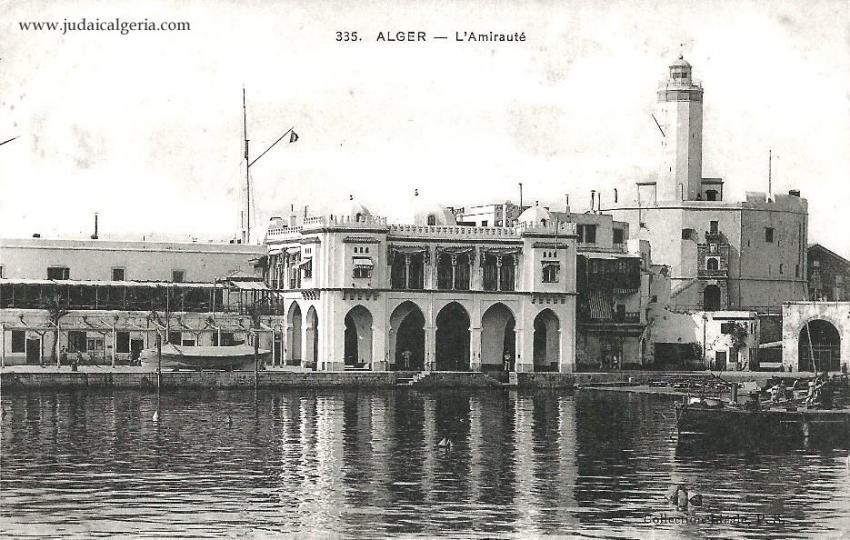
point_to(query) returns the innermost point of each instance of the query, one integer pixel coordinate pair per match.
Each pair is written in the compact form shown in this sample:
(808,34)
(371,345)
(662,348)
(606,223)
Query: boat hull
(224,358)
(732,423)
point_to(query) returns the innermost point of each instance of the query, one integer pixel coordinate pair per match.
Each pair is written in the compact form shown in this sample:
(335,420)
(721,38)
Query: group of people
(820,392)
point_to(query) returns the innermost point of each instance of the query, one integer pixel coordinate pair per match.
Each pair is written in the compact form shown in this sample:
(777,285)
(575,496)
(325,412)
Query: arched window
(711,264)
(432,219)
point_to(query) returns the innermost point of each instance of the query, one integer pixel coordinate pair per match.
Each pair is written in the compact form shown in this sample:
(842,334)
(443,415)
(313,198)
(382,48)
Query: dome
(680,62)
(350,208)
(429,212)
(535,214)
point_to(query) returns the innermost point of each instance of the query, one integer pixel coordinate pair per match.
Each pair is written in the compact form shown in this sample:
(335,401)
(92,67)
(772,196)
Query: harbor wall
(11,381)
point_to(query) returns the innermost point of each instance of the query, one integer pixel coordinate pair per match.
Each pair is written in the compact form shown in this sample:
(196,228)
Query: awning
(249,285)
(275,251)
(771,345)
(600,305)
(305,262)
(550,263)
(293,250)
(363,262)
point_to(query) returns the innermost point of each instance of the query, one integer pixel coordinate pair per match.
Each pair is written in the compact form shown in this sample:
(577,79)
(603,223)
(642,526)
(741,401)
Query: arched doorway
(711,298)
(497,337)
(407,334)
(293,335)
(358,337)
(825,346)
(547,336)
(311,351)
(452,347)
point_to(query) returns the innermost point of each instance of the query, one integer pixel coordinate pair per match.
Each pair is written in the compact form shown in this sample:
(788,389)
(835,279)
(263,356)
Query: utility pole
(520,197)
(247,238)
(292,138)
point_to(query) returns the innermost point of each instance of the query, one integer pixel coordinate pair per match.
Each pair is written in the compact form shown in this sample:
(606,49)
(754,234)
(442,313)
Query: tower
(680,119)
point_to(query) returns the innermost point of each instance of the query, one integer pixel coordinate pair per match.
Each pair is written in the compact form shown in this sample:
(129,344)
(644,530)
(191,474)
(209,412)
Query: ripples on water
(366,464)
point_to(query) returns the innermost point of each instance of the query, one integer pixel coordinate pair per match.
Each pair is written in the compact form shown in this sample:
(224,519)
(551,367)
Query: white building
(358,292)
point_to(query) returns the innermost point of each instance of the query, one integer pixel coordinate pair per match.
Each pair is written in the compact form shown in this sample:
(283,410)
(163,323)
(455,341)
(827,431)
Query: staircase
(684,287)
(451,379)
(407,382)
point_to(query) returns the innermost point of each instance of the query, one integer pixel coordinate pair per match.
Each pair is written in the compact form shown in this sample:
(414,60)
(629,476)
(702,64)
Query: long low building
(107,300)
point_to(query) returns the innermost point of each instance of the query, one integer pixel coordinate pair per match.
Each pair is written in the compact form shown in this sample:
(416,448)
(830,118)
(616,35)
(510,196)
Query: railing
(453,230)
(628,317)
(761,310)
(705,273)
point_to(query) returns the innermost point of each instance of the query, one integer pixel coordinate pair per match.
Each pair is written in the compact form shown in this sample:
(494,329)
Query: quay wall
(25,381)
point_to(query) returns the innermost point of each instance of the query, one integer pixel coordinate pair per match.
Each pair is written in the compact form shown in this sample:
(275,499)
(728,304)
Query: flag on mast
(293,136)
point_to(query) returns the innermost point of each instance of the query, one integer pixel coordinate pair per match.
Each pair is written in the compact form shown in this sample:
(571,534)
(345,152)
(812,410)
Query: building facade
(108,300)
(360,293)
(722,255)
(815,336)
(829,275)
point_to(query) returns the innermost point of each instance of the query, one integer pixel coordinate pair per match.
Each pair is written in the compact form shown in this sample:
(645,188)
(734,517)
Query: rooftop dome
(535,214)
(430,212)
(680,62)
(350,208)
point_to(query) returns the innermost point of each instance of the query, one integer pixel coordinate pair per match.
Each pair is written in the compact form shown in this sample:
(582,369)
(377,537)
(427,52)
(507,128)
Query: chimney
(94,236)
(615,195)
(592,199)
(567,206)
(794,192)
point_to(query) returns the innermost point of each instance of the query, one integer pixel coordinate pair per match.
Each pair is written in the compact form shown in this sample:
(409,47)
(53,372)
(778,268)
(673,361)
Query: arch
(358,337)
(452,346)
(407,334)
(825,345)
(311,349)
(711,263)
(293,334)
(445,272)
(432,219)
(498,337)
(711,298)
(547,341)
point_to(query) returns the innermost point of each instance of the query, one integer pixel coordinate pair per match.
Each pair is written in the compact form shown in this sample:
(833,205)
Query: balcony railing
(705,273)
(628,317)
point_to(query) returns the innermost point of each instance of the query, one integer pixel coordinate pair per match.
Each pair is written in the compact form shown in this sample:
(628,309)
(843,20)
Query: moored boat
(723,420)
(225,357)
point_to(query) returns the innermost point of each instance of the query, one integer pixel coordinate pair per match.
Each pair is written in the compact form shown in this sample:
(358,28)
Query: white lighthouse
(680,119)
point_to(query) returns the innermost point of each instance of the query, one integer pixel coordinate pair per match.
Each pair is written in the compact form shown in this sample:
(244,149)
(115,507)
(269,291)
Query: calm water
(365,464)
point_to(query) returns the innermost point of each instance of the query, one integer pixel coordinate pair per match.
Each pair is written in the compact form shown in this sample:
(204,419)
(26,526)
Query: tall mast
(247,238)
(770,172)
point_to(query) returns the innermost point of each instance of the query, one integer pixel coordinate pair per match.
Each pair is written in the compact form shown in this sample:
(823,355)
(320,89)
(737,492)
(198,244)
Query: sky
(146,128)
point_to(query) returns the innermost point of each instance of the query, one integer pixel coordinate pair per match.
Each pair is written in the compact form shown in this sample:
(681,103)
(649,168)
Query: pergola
(89,323)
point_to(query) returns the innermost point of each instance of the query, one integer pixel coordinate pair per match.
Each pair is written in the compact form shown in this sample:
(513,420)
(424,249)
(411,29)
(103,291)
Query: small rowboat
(225,357)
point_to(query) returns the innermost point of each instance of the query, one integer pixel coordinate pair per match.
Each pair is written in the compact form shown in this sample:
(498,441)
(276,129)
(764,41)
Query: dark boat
(716,420)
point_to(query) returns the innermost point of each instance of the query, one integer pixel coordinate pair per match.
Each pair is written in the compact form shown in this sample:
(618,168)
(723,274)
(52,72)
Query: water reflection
(367,463)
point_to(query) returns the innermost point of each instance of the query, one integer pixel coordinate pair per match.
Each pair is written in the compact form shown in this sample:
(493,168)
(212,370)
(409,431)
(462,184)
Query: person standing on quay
(63,357)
